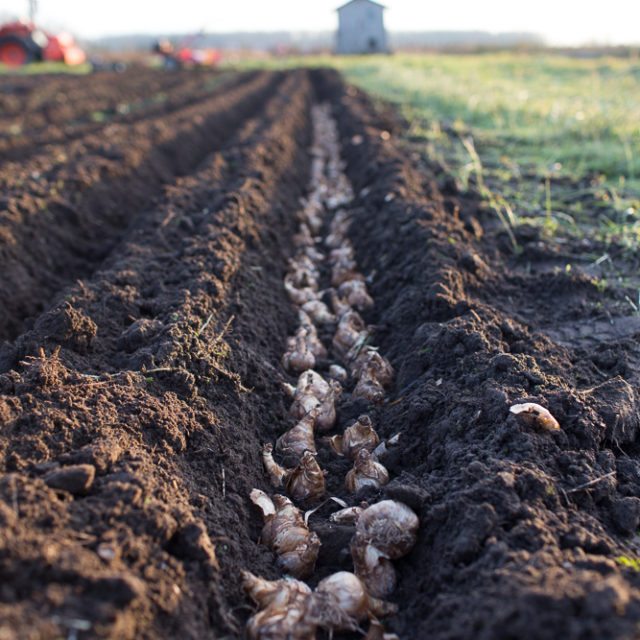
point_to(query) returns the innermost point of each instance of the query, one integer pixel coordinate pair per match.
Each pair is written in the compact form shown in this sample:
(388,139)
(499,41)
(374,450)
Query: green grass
(45,68)
(547,138)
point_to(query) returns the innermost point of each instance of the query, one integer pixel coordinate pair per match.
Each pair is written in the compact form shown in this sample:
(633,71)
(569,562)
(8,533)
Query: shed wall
(361,29)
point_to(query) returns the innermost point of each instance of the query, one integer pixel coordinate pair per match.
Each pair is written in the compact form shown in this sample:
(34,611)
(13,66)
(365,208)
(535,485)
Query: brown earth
(133,402)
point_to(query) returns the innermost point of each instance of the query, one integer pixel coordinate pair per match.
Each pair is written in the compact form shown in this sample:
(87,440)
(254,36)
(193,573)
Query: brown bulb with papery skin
(303,238)
(299,356)
(360,435)
(299,295)
(366,472)
(341,601)
(314,392)
(338,373)
(367,361)
(266,593)
(374,373)
(314,344)
(355,293)
(319,312)
(390,526)
(303,272)
(373,568)
(376,632)
(286,533)
(339,306)
(350,331)
(277,474)
(310,390)
(284,606)
(327,411)
(306,484)
(369,388)
(300,438)
(535,415)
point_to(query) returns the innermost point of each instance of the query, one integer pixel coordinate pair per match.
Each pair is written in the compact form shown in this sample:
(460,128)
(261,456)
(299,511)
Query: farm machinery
(22,42)
(186,54)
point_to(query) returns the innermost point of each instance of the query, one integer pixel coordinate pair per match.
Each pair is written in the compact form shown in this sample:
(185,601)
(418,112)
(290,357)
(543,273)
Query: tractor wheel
(14,51)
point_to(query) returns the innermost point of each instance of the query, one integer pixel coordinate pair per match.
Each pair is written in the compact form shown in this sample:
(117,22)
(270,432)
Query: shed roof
(353,1)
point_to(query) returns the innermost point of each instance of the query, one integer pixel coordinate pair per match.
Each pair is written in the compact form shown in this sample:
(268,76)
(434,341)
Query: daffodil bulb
(390,526)
(366,472)
(360,435)
(286,533)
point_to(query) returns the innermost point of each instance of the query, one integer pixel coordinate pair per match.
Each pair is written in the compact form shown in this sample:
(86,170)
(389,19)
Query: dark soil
(133,402)
(512,543)
(63,210)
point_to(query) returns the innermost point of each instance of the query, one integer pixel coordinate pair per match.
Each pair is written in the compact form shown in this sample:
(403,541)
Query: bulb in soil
(355,293)
(343,254)
(299,439)
(350,331)
(340,602)
(313,383)
(337,236)
(314,391)
(276,623)
(305,484)
(289,390)
(303,405)
(338,373)
(344,271)
(303,272)
(376,632)
(327,411)
(313,254)
(373,568)
(348,515)
(319,312)
(286,533)
(338,230)
(368,362)
(360,435)
(303,238)
(314,212)
(339,306)
(299,295)
(277,474)
(284,605)
(390,526)
(374,373)
(308,329)
(298,357)
(369,388)
(266,593)
(534,415)
(366,472)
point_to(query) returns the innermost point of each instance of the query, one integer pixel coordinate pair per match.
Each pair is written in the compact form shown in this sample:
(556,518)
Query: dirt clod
(76,479)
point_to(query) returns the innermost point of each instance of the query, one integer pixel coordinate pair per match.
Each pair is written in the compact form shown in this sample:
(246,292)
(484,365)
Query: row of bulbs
(384,531)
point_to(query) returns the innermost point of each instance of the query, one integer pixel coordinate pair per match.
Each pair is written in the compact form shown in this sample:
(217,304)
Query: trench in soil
(65,209)
(160,371)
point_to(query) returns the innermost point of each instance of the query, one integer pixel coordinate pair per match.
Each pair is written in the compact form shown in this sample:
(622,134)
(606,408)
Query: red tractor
(22,42)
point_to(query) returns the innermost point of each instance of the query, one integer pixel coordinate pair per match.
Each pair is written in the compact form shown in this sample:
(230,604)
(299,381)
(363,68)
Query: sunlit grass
(45,68)
(555,138)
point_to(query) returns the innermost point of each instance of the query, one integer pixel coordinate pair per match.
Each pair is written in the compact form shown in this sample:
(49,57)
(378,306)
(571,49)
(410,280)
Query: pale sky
(560,21)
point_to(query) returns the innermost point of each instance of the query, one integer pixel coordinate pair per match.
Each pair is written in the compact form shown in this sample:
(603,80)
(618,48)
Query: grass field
(45,67)
(549,138)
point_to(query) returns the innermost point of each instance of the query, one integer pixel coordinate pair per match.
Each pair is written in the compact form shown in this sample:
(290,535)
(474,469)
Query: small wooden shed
(361,28)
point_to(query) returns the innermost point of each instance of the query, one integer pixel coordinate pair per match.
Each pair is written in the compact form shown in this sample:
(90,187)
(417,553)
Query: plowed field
(147,220)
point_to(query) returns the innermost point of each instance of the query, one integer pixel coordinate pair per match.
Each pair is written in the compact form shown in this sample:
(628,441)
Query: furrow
(64,213)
